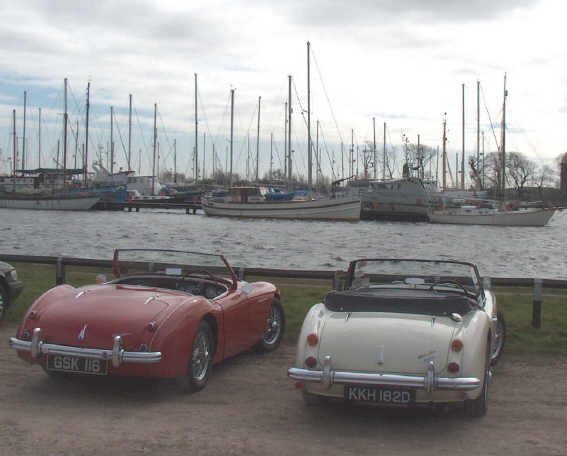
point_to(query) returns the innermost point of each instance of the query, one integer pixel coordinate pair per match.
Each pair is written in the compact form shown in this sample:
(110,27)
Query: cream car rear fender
(312,324)
(474,335)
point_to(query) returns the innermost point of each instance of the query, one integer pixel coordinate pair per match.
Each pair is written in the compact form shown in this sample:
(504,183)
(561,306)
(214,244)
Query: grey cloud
(368,12)
(141,19)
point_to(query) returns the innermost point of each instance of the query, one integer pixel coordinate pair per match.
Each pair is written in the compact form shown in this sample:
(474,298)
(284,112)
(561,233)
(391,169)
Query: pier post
(538,299)
(241,273)
(60,272)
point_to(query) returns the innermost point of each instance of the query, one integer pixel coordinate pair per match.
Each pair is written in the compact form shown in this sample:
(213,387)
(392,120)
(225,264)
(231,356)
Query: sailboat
(250,202)
(37,197)
(474,215)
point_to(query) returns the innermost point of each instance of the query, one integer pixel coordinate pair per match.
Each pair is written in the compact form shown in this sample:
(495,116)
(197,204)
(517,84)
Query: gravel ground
(250,408)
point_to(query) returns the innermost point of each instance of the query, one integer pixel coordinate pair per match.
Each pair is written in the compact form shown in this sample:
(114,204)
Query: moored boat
(472,215)
(248,202)
(403,199)
(53,201)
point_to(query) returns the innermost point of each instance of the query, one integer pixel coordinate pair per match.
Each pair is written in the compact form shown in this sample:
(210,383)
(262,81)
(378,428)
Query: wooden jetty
(188,206)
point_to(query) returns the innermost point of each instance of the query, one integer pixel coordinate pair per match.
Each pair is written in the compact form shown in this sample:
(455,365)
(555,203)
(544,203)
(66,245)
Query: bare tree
(519,169)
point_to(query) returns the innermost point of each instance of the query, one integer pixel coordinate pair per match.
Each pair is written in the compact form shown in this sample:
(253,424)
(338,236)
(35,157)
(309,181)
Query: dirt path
(251,408)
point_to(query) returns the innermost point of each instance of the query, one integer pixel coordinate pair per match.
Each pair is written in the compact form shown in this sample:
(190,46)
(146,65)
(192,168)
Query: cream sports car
(402,333)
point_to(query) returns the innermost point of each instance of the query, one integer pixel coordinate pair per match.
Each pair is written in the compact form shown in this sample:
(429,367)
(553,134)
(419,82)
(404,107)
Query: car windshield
(171,262)
(414,273)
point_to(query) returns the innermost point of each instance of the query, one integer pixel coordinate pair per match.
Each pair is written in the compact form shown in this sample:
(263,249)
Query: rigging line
(326,94)
(204,109)
(141,131)
(489,118)
(331,161)
(166,135)
(243,144)
(121,140)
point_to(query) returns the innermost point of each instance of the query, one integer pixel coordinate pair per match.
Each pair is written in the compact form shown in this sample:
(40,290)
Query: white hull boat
(66,202)
(340,209)
(475,216)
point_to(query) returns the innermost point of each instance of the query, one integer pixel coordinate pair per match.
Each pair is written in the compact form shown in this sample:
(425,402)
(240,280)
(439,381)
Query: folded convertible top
(401,300)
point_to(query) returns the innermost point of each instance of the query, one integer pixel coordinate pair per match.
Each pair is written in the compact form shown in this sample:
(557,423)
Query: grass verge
(299,295)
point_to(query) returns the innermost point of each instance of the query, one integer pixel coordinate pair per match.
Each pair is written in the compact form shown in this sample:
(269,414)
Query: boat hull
(538,217)
(341,209)
(61,203)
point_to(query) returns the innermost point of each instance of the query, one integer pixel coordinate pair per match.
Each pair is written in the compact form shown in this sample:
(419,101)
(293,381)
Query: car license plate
(76,364)
(380,395)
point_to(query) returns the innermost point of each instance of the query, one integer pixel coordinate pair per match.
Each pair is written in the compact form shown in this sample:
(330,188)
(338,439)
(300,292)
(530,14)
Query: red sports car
(173,316)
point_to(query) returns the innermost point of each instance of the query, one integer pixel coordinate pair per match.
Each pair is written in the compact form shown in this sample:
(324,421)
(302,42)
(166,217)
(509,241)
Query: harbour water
(498,251)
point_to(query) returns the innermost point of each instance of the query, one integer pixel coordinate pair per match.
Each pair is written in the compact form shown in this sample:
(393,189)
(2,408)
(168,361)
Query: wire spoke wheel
(274,329)
(200,357)
(499,339)
(273,326)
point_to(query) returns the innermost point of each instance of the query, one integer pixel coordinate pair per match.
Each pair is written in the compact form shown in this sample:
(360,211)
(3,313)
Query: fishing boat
(250,202)
(403,199)
(473,215)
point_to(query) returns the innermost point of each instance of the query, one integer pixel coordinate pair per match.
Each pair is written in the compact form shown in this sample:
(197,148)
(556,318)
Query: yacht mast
(65,120)
(309,159)
(86,163)
(196,171)
(289,111)
(444,158)
(374,144)
(14,161)
(154,155)
(39,139)
(231,132)
(111,140)
(504,138)
(24,136)
(258,140)
(463,152)
(130,134)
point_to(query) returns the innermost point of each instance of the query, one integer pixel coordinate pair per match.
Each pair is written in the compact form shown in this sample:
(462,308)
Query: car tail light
(310,361)
(453,368)
(457,345)
(312,339)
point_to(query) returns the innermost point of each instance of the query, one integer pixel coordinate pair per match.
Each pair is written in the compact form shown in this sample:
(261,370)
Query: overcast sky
(402,62)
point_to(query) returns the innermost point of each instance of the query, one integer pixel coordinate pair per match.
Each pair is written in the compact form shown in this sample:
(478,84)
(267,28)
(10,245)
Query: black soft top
(399,300)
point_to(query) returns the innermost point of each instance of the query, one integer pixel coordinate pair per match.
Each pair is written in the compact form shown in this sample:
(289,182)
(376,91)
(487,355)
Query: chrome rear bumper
(428,382)
(117,355)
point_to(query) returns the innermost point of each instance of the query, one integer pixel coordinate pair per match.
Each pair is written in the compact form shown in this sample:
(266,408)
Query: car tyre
(476,408)
(200,360)
(4,300)
(275,327)
(499,338)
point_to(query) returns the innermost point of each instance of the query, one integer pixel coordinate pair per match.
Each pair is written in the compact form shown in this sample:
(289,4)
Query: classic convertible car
(10,287)
(173,319)
(402,333)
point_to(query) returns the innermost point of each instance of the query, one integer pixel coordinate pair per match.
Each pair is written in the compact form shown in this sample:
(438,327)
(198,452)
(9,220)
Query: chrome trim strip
(428,382)
(117,354)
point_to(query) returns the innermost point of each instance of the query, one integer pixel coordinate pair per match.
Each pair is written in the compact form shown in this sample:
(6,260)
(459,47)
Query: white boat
(61,202)
(472,215)
(250,203)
